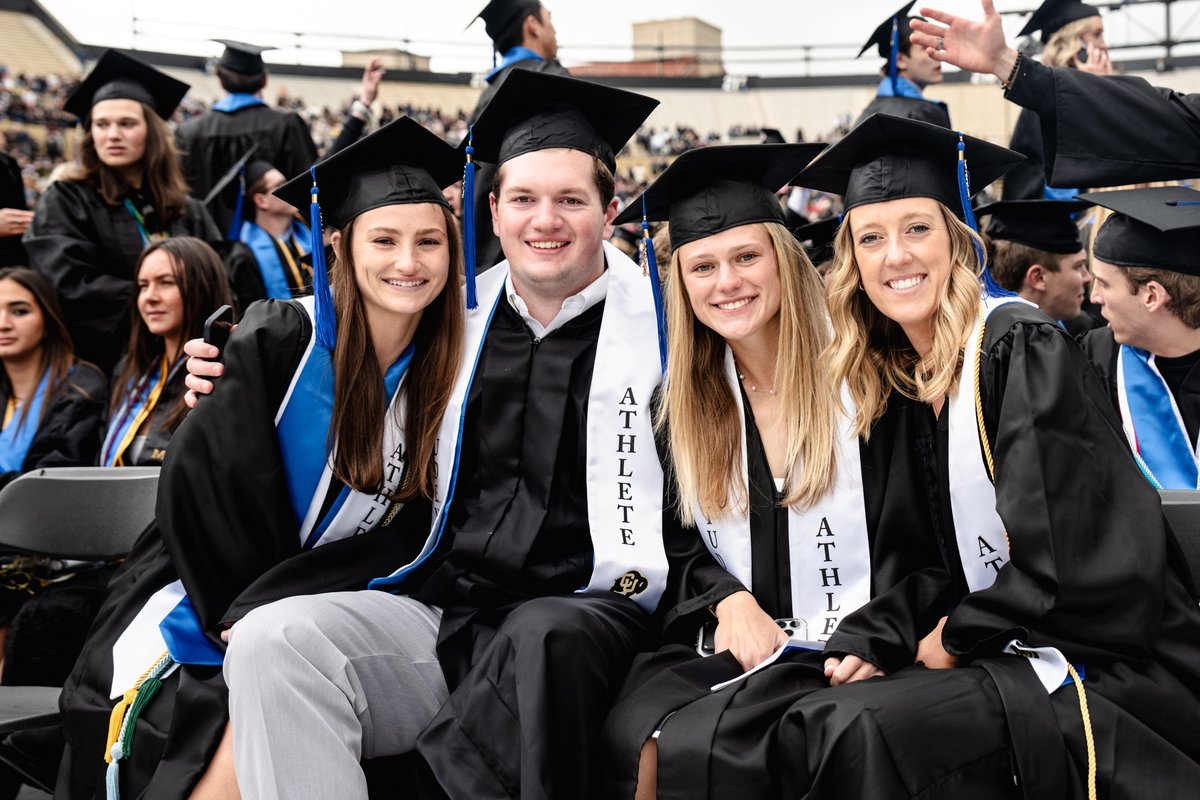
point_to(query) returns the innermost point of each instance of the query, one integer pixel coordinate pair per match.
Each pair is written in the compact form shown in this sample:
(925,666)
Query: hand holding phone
(217,329)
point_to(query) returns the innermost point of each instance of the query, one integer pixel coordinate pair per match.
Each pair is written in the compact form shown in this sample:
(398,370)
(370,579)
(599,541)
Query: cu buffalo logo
(630,583)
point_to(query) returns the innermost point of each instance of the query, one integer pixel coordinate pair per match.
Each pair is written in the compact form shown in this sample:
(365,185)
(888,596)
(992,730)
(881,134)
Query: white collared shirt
(572,307)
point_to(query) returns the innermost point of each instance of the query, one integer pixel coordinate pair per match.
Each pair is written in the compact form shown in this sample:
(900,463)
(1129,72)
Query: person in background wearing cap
(1037,254)
(550,549)
(1096,130)
(1148,288)
(773,480)
(214,141)
(1073,36)
(271,246)
(905,75)
(1070,650)
(523,35)
(90,227)
(252,509)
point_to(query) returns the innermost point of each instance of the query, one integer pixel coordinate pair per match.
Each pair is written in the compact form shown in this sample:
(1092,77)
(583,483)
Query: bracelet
(361,110)
(1012,76)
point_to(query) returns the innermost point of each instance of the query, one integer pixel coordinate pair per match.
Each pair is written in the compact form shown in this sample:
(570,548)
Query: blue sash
(140,399)
(17,436)
(236,102)
(518,53)
(270,266)
(906,88)
(1158,433)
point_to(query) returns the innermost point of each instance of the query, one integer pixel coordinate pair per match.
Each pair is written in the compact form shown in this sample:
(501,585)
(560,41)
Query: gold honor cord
(10,411)
(140,419)
(291,263)
(1084,713)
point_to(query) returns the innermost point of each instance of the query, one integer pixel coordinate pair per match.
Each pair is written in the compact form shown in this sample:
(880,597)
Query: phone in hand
(1082,55)
(217,328)
(706,638)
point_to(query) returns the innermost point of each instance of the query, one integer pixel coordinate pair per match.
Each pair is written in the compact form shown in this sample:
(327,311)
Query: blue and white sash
(168,621)
(624,477)
(1153,423)
(17,436)
(236,102)
(266,253)
(829,547)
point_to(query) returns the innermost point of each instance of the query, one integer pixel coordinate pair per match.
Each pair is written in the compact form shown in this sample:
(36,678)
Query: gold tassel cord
(118,713)
(1086,716)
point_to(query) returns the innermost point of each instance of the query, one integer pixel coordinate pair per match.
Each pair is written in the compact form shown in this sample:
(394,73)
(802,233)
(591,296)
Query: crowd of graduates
(482,499)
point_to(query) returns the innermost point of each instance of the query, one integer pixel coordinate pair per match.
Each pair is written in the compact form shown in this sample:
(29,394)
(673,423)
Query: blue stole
(1050,193)
(262,244)
(303,430)
(17,436)
(236,102)
(140,400)
(906,88)
(1154,425)
(518,53)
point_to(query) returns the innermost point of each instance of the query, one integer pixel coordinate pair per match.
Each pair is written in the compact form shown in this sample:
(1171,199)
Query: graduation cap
(888,158)
(117,76)
(500,15)
(1047,225)
(887,39)
(241,57)
(400,163)
(1157,228)
(772,136)
(1054,14)
(231,188)
(817,237)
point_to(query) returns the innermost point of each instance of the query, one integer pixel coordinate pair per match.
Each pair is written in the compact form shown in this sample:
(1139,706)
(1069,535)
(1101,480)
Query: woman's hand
(930,651)
(745,630)
(1098,62)
(849,670)
(199,369)
(973,46)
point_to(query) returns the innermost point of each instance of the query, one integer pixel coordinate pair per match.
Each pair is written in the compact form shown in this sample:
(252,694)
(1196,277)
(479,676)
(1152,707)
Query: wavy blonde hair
(700,411)
(1065,42)
(872,354)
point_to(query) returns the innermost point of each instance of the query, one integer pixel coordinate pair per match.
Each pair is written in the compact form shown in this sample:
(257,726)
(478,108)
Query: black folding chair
(1182,510)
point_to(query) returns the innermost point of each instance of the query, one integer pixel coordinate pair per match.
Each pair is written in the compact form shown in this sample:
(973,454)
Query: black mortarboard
(881,37)
(772,136)
(887,158)
(1043,224)
(500,15)
(1053,14)
(117,76)
(817,237)
(712,189)
(400,163)
(537,111)
(231,188)
(241,57)
(1157,228)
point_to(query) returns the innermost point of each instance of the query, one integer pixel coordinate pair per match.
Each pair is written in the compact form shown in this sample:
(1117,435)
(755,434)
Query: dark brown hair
(1184,291)
(359,404)
(203,285)
(249,210)
(241,82)
(514,35)
(58,353)
(1012,260)
(162,171)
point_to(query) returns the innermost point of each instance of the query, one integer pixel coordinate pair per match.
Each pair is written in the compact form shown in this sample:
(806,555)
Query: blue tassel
(893,72)
(655,288)
(326,322)
(468,206)
(990,287)
(235,227)
(112,776)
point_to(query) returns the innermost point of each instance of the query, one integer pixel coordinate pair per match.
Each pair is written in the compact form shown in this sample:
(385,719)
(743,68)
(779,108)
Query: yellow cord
(1089,738)
(118,713)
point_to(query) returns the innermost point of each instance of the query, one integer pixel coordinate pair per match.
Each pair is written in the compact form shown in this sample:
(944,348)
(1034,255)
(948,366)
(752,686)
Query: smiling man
(905,75)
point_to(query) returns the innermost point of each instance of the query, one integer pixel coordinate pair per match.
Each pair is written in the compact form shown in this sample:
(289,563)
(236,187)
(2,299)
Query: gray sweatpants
(317,683)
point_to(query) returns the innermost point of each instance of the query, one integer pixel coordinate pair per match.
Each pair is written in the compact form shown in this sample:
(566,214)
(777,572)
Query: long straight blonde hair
(701,416)
(872,354)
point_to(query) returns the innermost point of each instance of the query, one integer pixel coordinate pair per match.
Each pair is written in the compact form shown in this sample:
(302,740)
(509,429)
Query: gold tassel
(115,719)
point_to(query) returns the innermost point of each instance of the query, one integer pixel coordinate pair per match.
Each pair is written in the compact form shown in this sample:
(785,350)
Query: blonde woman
(1071,652)
(801,522)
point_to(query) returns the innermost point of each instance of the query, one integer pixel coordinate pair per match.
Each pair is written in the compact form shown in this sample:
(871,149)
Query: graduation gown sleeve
(1089,560)
(1026,181)
(1109,131)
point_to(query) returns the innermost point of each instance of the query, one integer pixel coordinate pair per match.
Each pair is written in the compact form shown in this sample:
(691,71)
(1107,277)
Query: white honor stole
(982,542)
(1153,423)
(828,545)
(141,644)
(624,476)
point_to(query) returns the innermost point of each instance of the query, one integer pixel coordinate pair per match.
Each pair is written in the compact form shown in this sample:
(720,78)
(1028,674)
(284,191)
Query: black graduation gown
(69,433)
(12,195)
(907,108)
(1102,351)
(1111,130)
(487,246)
(1093,573)
(158,435)
(720,745)
(225,526)
(212,142)
(89,250)
(246,278)
(1027,180)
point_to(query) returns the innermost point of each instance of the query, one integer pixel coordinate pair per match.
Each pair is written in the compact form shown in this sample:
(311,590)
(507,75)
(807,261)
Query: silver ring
(941,43)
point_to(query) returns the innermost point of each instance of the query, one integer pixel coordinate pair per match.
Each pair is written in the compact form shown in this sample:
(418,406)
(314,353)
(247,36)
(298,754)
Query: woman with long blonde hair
(786,501)
(1069,647)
